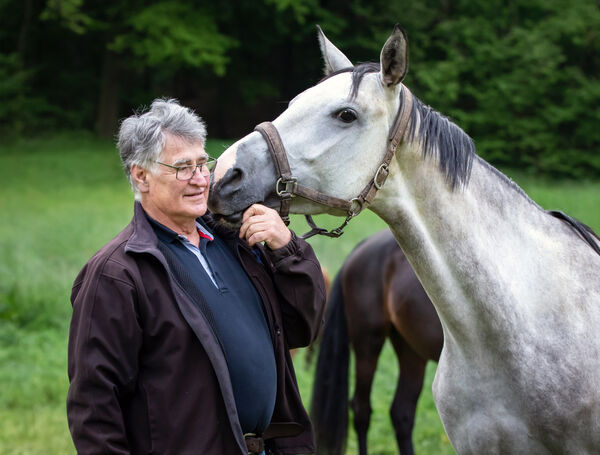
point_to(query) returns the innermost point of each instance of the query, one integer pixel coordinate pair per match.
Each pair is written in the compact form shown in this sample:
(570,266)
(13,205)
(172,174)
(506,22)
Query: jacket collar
(143,238)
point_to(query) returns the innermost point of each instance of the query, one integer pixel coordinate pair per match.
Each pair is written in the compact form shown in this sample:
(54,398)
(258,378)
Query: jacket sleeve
(299,280)
(104,343)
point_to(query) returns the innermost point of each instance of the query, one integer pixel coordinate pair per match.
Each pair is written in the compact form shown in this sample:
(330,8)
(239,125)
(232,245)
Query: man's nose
(198,177)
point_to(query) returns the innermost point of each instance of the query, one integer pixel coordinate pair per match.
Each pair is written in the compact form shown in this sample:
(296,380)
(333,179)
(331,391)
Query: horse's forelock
(358,73)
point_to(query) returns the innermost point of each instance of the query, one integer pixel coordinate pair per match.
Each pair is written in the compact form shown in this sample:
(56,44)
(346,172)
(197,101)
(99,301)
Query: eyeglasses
(187,172)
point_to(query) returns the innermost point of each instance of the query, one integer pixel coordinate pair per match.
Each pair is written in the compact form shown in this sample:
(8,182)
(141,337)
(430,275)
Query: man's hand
(262,224)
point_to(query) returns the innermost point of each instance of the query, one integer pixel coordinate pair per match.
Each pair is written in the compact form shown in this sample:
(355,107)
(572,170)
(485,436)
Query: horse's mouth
(233,220)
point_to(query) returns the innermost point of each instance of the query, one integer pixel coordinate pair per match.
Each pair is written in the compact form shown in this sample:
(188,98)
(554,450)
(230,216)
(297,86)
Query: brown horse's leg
(366,350)
(410,383)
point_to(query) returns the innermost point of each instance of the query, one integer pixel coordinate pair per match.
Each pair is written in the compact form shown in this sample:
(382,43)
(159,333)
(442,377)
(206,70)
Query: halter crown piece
(287,185)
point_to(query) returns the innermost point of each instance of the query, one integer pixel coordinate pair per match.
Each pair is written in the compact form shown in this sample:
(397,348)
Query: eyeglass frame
(209,161)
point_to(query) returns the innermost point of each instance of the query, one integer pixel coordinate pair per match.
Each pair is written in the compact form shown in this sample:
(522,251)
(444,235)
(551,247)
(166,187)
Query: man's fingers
(245,224)
(247,214)
(252,227)
(254,209)
(257,237)
(248,223)
(243,230)
(263,224)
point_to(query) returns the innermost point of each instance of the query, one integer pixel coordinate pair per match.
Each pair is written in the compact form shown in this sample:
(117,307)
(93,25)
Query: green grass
(63,197)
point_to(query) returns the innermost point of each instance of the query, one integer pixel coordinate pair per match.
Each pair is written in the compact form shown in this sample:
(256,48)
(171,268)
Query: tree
(521,77)
(137,36)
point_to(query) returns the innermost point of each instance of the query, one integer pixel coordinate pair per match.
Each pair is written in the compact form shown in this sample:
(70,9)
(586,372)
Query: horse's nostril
(236,177)
(231,181)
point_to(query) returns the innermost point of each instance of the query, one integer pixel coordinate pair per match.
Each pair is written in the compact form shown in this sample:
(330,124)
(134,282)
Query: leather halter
(287,185)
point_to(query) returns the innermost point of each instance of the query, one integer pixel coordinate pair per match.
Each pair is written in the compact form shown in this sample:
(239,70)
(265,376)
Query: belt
(256,443)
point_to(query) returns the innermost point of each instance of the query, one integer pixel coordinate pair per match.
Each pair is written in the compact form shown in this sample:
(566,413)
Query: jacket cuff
(291,249)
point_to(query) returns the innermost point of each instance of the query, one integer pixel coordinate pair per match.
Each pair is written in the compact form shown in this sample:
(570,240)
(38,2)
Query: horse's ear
(334,58)
(394,57)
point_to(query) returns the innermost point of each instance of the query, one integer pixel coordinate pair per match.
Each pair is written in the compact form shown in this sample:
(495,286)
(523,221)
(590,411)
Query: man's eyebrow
(189,161)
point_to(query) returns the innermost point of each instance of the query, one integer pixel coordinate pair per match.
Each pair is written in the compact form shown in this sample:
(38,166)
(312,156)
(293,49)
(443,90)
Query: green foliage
(68,13)
(521,80)
(171,33)
(300,8)
(18,106)
(520,77)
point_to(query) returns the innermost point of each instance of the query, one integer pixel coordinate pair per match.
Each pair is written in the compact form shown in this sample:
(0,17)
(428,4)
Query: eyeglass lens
(187,172)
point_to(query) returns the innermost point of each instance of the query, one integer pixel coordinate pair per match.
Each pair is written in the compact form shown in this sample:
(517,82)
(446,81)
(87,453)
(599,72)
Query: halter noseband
(287,185)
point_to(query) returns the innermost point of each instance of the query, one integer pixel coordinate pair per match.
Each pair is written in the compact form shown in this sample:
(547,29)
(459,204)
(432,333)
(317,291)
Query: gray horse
(517,288)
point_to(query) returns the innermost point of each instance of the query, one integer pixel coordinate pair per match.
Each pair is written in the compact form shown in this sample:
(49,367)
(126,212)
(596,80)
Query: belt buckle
(254,443)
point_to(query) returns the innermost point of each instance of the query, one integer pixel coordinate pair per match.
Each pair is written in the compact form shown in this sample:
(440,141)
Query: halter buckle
(288,188)
(378,175)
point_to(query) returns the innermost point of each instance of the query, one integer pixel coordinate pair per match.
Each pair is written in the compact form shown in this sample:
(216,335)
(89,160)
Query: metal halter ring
(382,167)
(288,189)
(356,206)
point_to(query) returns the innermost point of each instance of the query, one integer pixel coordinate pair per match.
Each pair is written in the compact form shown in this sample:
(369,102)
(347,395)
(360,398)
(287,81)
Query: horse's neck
(481,251)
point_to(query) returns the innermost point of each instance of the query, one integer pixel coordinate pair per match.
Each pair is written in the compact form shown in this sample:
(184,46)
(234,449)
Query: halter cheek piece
(287,185)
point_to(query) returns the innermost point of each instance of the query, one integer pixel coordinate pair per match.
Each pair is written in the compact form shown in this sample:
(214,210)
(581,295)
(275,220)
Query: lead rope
(316,230)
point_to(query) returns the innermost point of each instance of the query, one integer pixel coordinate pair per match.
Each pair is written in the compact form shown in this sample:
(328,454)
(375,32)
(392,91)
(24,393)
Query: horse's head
(335,135)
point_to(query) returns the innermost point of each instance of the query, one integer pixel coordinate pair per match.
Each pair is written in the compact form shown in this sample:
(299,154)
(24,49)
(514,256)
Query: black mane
(583,230)
(453,147)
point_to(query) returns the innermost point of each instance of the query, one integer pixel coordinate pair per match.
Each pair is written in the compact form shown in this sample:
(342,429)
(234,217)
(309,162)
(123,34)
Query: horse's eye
(346,115)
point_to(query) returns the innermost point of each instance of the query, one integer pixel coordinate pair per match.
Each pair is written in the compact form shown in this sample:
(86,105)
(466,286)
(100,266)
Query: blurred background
(521,77)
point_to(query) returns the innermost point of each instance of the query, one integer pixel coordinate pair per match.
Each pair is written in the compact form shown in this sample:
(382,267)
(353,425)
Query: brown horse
(375,295)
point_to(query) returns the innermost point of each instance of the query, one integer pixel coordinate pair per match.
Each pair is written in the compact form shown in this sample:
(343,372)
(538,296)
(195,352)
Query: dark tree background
(520,76)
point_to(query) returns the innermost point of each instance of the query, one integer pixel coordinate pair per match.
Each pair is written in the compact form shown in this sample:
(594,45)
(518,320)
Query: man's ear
(139,175)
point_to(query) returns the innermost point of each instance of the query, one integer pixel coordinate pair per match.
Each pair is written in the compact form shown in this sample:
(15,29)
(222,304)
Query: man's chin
(197,210)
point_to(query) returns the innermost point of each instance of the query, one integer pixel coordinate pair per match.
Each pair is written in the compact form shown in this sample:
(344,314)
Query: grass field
(62,198)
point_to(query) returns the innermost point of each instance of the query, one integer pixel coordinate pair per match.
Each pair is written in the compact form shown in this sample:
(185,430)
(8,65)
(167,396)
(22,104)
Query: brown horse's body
(375,296)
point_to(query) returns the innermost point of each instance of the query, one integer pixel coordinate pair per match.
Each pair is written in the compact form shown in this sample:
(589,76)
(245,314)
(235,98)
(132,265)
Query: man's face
(172,201)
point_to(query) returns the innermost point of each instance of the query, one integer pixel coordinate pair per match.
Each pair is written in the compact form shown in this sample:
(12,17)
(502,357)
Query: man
(181,327)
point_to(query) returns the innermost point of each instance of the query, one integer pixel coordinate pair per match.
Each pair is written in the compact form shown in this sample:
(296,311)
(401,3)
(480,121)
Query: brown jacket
(147,374)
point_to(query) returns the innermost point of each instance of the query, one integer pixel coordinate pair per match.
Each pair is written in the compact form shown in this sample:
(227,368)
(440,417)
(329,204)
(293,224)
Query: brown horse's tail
(329,405)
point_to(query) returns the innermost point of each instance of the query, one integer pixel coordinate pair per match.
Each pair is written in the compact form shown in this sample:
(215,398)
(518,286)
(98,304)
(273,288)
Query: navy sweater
(235,312)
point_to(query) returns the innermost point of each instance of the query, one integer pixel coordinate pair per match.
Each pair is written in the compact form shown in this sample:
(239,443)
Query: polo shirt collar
(169,236)
(204,232)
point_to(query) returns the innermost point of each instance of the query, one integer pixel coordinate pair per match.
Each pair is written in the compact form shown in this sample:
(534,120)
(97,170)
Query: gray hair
(142,136)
